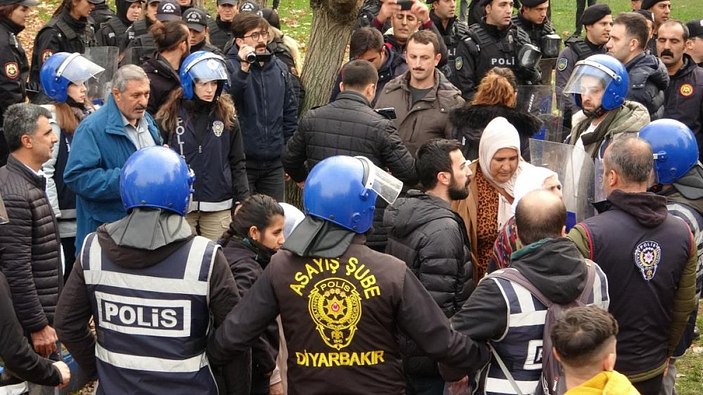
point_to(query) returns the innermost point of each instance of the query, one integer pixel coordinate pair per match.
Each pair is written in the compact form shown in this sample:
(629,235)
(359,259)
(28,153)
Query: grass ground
(296,18)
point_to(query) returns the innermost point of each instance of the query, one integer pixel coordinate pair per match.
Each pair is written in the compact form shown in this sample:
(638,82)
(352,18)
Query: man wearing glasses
(267,107)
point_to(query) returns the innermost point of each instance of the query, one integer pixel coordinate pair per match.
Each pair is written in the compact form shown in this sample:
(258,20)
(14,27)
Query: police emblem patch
(647,255)
(458,62)
(217,128)
(686,90)
(335,307)
(12,70)
(562,63)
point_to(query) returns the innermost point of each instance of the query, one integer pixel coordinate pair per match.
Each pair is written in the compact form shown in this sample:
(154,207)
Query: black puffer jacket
(648,82)
(30,243)
(247,260)
(431,239)
(348,126)
(164,80)
(469,122)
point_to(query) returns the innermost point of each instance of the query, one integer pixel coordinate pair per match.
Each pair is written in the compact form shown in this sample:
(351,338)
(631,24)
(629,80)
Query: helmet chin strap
(597,113)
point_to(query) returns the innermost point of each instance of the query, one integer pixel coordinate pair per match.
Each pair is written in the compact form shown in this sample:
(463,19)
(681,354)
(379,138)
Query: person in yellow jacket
(584,341)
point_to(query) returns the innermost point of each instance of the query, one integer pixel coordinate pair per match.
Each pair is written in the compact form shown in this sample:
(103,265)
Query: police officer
(679,177)
(598,21)
(495,41)
(221,26)
(532,18)
(152,286)
(113,32)
(342,304)
(68,30)
(450,29)
(13,59)
(140,28)
(197,21)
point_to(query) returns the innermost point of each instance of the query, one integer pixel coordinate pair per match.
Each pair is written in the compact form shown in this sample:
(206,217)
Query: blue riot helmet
(599,72)
(343,190)
(156,177)
(62,69)
(204,67)
(674,146)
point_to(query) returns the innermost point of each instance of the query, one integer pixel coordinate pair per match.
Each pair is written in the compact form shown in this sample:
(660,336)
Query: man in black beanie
(661,10)
(598,21)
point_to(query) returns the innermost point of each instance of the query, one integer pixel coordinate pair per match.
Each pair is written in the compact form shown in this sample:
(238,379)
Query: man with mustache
(494,42)
(684,96)
(262,89)
(422,96)
(102,143)
(431,239)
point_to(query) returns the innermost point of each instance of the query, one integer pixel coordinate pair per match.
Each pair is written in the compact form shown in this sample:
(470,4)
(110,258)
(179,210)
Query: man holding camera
(495,42)
(267,107)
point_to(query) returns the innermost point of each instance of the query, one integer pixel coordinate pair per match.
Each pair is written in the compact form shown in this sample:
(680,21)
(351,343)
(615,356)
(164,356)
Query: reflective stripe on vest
(152,322)
(520,347)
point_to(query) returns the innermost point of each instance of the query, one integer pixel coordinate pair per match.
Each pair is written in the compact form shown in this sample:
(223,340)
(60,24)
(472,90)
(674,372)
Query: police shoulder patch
(458,62)
(12,70)
(647,256)
(562,63)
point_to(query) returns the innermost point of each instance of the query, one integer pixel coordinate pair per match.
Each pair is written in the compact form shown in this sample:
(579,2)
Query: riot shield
(540,101)
(106,57)
(576,173)
(546,67)
(137,55)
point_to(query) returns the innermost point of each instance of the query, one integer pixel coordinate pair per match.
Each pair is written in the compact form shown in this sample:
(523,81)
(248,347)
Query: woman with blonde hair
(496,96)
(491,191)
(198,121)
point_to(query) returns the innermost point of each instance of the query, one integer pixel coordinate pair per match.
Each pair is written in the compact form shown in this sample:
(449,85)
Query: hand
(65,373)
(276,389)
(244,50)
(459,387)
(44,341)
(388,8)
(420,10)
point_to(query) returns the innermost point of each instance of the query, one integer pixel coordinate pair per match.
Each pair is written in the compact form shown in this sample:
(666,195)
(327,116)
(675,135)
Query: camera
(251,57)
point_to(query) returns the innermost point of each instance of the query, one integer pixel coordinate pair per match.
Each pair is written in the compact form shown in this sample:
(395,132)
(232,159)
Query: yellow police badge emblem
(686,90)
(12,70)
(647,256)
(335,307)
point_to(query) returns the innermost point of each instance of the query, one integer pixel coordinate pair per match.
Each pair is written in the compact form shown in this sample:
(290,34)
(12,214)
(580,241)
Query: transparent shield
(587,78)
(137,55)
(540,101)
(99,88)
(380,181)
(576,172)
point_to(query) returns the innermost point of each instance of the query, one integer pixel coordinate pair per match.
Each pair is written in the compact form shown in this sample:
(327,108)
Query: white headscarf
(292,218)
(531,179)
(499,134)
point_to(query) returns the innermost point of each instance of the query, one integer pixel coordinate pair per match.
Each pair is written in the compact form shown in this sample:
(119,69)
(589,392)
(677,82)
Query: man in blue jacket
(267,108)
(101,146)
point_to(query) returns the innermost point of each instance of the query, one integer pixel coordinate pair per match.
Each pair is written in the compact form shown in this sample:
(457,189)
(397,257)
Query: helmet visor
(208,69)
(380,181)
(78,69)
(588,77)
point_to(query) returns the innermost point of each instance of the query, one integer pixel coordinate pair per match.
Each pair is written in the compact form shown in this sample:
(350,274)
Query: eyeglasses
(255,36)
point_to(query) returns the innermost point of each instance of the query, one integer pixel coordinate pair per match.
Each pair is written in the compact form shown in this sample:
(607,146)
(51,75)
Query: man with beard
(266,103)
(431,239)
(661,10)
(422,96)
(598,21)
(648,77)
(684,96)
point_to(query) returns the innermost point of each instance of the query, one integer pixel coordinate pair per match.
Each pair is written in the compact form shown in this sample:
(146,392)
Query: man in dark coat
(349,126)
(31,259)
(432,240)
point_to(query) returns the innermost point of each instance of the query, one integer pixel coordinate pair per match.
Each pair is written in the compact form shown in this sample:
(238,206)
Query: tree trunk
(332,22)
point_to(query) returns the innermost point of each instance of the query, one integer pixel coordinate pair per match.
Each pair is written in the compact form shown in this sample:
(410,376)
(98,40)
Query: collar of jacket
(353,96)
(114,121)
(438,23)
(14,165)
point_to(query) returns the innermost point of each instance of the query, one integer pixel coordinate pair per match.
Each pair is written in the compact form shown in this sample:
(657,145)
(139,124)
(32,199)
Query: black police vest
(580,48)
(152,323)
(492,52)
(218,37)
(67,198)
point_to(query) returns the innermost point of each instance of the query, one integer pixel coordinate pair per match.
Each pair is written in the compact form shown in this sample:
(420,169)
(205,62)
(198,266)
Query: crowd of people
(143,226)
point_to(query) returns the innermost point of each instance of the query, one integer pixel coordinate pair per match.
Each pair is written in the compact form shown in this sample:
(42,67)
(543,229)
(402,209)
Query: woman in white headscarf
(491,192)
(531,179)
